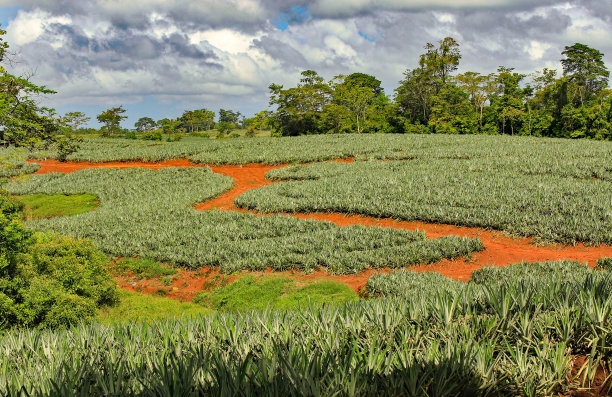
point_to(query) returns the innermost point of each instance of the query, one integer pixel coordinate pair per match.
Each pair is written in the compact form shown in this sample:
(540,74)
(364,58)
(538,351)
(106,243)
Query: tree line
(432,98)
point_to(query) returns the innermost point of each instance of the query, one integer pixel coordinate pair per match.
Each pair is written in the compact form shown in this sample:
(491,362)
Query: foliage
(111,118)
(23,121)
(13,163)
(54,282)
(354,103)
(147,213)
(38,206)
(604,264)
(504,184)
(75,119)
(585,67)
(516,338)
(145,124)
(143,267)
(249,292)
(137,307)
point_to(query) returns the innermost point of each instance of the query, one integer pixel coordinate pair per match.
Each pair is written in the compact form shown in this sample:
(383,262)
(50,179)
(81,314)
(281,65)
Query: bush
(57,281)
(48,280)
(153,136)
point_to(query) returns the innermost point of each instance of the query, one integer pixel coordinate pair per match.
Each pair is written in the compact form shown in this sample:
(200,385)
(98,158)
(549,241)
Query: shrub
(48,280)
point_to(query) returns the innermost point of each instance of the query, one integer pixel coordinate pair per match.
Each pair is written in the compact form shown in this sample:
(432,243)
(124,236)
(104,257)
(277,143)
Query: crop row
(12,163)
(583,158)
(518,337)
(149,214)
(550,202)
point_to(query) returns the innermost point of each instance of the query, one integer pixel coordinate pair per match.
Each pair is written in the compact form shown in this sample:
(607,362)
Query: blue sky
(7,14)
(158,58)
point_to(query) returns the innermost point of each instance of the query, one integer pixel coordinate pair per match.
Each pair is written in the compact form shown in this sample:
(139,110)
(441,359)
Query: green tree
(441,61)
(415,93)
(23,122)
(585,68)
(361,97)
(111,118)
(452,112)
(75,119)
(145,124)
(299,110)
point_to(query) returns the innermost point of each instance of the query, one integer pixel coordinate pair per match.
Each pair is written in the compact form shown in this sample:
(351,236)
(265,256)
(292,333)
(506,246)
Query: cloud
(225,53)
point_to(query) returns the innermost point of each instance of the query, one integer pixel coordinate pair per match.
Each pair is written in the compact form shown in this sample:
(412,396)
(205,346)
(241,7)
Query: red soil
(500,250)
(47,166)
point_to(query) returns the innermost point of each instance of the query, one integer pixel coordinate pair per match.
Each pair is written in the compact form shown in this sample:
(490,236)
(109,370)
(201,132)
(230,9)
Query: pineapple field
(411,265)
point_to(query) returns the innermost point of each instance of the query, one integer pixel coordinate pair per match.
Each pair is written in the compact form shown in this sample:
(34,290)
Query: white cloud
(29,26)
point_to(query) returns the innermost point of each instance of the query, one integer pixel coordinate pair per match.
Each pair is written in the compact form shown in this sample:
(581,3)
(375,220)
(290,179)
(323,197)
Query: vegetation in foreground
(48,280)
(149,214)
(515,336)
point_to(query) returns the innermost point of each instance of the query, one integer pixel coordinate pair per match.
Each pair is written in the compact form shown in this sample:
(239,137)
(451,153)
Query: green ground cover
(38,206)
(516,336)
(250,292)
(134,307)
(526,195)
(143,268)
(148,213)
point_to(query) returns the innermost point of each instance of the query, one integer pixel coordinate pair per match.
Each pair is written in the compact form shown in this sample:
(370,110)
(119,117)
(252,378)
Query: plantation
(528,193)
(149,214)
(517,336)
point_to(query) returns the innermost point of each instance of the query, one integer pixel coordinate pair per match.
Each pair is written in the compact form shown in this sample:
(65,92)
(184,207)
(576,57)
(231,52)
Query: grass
(143,268)
(250,292)
(134,306)
(40,206)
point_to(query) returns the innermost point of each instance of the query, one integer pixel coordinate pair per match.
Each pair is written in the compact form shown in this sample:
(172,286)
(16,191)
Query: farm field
(271,244)
(529,329)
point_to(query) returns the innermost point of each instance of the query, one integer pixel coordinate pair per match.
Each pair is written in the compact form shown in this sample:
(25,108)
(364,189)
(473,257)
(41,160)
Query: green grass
(250,292)
(134,306)
(143,268)
(39,206)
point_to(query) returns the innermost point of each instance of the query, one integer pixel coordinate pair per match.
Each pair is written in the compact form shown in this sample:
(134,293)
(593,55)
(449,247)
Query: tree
(299,110)
(509,98)
(194,120)
(145,124)
(23,122)
(441,61)
(75,119)
(585,67)
(452,112)
(229,116)
(415,93)
(479,88)
(111,118)
(361,96)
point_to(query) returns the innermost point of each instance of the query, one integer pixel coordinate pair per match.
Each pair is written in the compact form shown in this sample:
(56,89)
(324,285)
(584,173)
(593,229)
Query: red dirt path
(500,250)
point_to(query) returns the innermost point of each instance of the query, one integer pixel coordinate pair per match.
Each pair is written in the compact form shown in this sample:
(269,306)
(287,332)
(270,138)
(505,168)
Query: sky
(158,58)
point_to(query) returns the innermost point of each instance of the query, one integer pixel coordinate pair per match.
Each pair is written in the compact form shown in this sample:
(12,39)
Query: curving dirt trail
(500,250)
